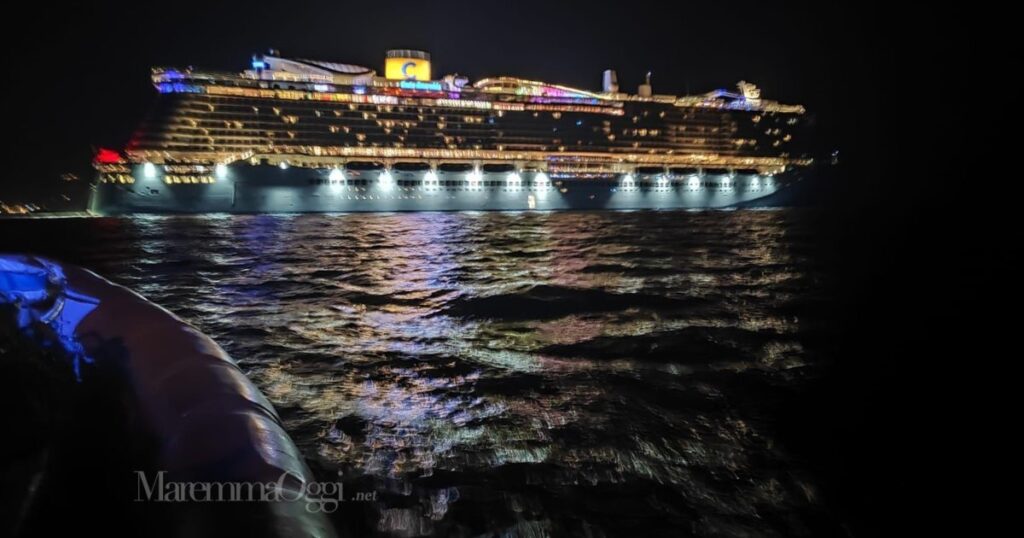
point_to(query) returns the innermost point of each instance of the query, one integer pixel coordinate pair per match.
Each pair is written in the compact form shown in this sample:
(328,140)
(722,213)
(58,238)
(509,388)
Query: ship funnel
(407,65)
(610,81)
(645,89)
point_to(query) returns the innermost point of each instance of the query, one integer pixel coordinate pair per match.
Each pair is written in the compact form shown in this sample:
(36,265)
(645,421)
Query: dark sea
(513,374)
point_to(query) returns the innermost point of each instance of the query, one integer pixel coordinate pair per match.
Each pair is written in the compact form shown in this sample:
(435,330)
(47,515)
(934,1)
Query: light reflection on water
(536,374)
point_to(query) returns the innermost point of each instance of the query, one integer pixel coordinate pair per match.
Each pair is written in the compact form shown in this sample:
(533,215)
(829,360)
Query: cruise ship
(298,135)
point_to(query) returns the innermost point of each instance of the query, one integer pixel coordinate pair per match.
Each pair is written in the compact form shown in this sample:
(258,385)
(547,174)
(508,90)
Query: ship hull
(270,189)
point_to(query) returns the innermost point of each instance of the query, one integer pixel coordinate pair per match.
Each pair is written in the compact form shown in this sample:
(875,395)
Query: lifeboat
(411,166)
(650,170)
(364,166)
(499,168)
(455,167)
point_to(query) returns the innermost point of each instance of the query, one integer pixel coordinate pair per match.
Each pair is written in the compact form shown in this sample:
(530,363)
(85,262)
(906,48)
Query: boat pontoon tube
(210,423)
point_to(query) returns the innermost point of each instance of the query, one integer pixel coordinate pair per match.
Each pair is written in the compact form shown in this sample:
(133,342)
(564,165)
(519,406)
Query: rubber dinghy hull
(205,418)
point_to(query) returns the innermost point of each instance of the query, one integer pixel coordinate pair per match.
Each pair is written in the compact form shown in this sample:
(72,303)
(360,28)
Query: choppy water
(523,374)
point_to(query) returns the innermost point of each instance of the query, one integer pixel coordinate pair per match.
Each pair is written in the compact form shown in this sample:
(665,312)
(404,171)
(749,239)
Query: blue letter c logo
(405,70)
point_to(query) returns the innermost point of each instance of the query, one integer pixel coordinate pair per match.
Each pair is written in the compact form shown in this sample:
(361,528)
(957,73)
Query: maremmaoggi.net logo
(317,496)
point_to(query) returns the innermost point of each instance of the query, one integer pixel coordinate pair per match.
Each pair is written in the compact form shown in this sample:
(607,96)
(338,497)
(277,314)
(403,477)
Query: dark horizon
(95,61)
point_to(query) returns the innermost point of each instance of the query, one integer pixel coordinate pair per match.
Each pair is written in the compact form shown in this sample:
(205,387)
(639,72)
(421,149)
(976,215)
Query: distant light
(755,183)
(541,180)
(149,170)
(474,178)
(221,170)
(513,180)
(283,165)
(387,182)
(259,64)
(107,156)
(693,183)
(336,178)
(662,180)
(430,177)
(178,87)
(627,180)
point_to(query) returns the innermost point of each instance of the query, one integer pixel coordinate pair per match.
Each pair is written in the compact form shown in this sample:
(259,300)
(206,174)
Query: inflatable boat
(197,449)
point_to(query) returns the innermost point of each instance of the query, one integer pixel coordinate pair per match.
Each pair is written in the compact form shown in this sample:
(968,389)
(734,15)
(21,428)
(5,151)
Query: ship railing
(327,157)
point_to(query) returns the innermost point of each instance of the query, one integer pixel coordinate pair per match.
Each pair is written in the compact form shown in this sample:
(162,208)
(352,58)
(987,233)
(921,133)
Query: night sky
(83,70)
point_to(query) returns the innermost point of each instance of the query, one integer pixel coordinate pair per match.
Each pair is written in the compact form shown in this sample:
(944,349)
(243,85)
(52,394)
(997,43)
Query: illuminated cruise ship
(294,135)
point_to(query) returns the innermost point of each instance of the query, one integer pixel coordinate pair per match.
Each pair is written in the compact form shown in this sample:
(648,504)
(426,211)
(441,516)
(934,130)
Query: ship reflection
(524,372)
